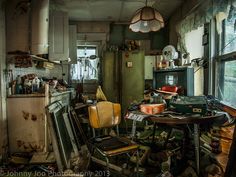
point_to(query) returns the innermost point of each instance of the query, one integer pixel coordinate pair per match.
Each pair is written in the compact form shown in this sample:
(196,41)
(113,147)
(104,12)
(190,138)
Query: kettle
(156,98)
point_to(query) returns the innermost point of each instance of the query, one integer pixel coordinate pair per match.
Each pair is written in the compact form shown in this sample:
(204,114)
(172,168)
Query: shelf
(60,93)
(172,69)
(35,57)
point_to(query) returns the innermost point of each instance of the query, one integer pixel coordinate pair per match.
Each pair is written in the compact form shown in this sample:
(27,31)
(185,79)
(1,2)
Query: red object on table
(169,88)
(152,108)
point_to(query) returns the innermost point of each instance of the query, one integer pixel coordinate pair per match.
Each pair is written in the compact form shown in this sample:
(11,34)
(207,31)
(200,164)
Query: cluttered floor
(171,143)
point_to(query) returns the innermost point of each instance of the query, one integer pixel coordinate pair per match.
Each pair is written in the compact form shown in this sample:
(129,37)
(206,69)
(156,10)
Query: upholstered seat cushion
(111,146)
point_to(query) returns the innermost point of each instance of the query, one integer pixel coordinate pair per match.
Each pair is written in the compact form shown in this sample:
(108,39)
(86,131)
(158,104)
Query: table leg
(133,133)
(197,147)
(154,132)
(167,139)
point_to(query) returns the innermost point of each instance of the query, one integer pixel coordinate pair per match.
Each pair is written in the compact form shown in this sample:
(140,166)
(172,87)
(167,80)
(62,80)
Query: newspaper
(136,116)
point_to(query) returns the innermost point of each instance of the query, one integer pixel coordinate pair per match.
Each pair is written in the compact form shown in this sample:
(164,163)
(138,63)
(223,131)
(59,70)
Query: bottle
(41,83)
(18,85)
(165,64)
(9,91)
(13,88)
(18,79)
(37,83)
(159,59)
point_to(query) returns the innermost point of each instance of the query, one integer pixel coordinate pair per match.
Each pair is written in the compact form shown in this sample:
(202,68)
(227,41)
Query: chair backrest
(104,114)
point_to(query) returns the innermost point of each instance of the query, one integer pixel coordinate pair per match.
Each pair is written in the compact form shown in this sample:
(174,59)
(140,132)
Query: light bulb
(145,23)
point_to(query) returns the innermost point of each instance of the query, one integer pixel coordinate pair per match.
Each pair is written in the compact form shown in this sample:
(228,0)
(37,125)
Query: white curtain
(85,69)
(206,11)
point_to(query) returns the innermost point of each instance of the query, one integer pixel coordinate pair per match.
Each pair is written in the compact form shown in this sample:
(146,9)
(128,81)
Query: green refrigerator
(123,77)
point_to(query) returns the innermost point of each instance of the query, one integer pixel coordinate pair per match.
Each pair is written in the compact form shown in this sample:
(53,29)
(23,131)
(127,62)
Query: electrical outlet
(129,64)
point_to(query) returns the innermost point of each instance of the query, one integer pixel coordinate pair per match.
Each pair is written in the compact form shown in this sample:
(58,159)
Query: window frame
(222,42)
(89,47)
(82,46)
(220,64)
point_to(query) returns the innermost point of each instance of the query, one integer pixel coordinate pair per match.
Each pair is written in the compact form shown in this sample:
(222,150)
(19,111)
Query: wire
(220,91)
(228,44)
(221,52)
(201,67)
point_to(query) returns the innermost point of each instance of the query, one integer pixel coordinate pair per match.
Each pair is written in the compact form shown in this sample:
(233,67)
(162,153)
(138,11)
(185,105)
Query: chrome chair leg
(106,131)
(107,165)
(117,130)
(133,131)
(93,132)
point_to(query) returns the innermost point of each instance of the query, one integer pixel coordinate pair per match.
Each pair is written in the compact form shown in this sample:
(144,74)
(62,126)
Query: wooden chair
(106,114)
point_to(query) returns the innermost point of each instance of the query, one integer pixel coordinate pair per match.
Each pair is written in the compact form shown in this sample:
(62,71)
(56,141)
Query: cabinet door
(73,44)
(26,124)
(58,36)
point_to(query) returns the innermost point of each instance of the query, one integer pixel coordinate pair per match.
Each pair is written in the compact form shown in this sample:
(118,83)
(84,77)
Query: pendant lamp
(146,19)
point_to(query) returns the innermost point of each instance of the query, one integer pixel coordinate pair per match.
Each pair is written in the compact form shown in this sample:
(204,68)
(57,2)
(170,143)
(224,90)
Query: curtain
(206,11)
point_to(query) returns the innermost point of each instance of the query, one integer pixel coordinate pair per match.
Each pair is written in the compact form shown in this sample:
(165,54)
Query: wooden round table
(180,120)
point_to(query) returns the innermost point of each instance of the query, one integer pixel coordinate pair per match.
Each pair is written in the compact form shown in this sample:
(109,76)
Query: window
(226,70)
(87,66)
(227,82)
(86,51)
(228,37)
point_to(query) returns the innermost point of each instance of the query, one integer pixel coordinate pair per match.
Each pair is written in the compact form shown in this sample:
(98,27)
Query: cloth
(135,116)
(204,12)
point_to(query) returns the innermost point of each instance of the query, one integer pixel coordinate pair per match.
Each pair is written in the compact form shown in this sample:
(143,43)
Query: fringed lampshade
(146,19)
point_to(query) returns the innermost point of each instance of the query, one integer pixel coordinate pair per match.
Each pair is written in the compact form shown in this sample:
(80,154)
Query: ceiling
(113,10)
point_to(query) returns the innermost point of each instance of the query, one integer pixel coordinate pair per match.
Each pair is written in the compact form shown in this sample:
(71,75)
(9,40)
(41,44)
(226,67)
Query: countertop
(60,93)
(27,95)
(38,95)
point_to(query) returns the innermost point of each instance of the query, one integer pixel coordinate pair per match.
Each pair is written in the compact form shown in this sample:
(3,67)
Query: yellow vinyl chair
(106,114)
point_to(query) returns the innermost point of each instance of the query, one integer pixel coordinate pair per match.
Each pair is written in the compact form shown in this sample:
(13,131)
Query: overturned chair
(106,114)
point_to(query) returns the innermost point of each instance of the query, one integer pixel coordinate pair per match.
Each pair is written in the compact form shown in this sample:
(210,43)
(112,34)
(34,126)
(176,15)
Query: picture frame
(63,140)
